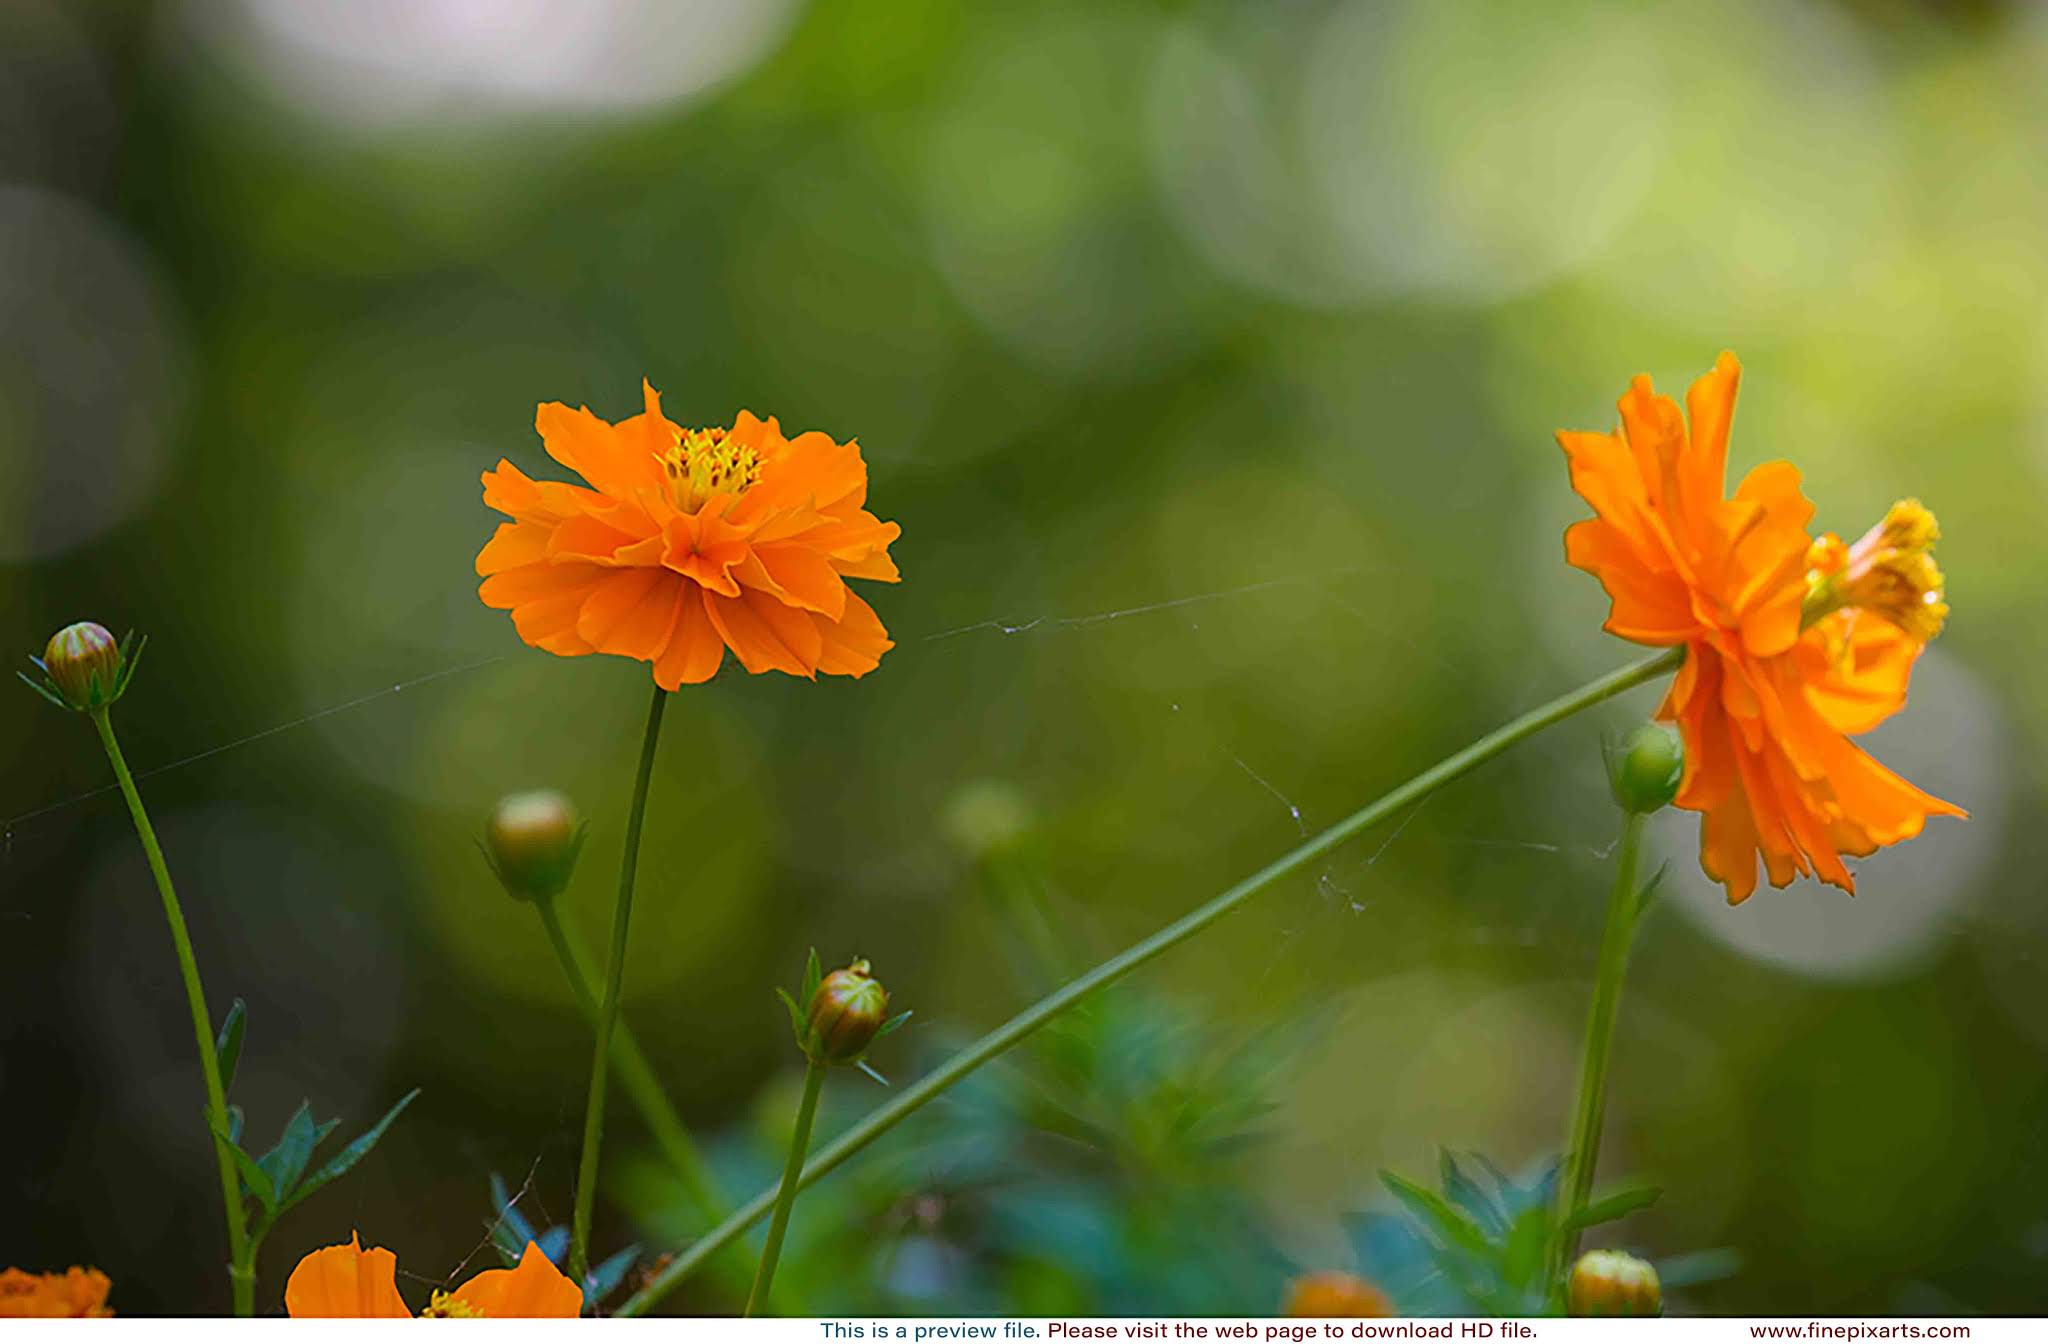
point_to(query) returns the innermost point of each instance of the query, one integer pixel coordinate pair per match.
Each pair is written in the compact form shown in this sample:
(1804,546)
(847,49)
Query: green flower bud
(532,842)
(847,1011)
(1614,1283)
(1646,772)
(83,667)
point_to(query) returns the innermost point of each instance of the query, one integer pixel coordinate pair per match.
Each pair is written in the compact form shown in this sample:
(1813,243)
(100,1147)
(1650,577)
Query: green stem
(1130,959)
(637,1075)
(785,1193)
(608,1010)
(241,1271)
(1583,1154)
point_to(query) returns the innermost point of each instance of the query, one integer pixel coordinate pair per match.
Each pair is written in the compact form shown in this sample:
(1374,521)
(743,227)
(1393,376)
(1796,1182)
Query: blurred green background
(1208,355)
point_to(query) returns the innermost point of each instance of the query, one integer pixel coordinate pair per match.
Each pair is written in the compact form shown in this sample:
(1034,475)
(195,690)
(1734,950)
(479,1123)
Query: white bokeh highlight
(369,64)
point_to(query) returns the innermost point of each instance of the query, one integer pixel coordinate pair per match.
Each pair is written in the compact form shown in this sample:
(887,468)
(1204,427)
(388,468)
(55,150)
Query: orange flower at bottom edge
(1791,644)
(349,1281)
(1334,1293)
(74,1293)
(688,543)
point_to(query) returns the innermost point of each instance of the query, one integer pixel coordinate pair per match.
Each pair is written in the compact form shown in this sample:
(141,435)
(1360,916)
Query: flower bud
(847,1011)
(1614,1283)
(1646,773)
(1332,1292)
(83,662)
(532,842)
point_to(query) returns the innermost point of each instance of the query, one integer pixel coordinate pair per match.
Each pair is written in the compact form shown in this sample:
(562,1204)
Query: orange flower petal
(533,1290)
(1709,411)
(766,635)
(695,648)
(75,1294)
(345,1281)
(1856,670)
(853,645)
(616,465)
(630,612)
(799,576)
(1648,608)
(513,545)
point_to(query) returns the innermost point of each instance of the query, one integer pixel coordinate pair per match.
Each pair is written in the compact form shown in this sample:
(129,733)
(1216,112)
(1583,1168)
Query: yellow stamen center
(447,1306)
(705,462)
(1889,571)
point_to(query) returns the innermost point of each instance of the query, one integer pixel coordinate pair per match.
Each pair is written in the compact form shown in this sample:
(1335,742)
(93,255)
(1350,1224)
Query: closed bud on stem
(1332,1292)
(532,842)
(84,667)
(1646,772)
(1613,1283)
(847,1011)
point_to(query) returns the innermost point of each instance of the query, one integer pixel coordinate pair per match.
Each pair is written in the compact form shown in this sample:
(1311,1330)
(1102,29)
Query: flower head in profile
(349,1281)
(74,1293)
(1332,1292)
(1792,644)
(686,543)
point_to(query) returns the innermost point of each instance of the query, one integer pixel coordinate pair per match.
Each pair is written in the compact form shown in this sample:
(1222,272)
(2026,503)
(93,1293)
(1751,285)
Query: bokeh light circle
(375,63)
(92,374)
(1481,198)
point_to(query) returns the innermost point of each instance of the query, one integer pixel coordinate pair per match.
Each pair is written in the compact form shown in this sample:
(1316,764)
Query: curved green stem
(636,1075)
(1583,1154)
(785,1193)
(241,1272)
(608,1009)
(1130,959)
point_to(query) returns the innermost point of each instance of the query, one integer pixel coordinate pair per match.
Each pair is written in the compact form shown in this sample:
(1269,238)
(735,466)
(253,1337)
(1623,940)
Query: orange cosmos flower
(348,1281)
(75,1292)
(687,543)
(1791,643)
(1332,1292)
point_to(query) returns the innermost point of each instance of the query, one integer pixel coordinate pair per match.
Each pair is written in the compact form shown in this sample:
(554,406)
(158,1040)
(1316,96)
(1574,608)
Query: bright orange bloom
(1791,643)
(688,543)
(1332,1292)
(75,1292)
(349,1281)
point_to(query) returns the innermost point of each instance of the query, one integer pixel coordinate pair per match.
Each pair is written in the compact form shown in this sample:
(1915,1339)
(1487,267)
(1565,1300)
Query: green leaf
(814,975)
(891,1025)
(227,1047)
(253,1176)
(285,1163)
(797,1023)
(235,1122)
(1468,1195)
(339,1164)
(1528,1243)
(48,692)
(1453,1227)
(508,1228)
(607,1276)
(131,656)
(1648,895)
(1618,1205)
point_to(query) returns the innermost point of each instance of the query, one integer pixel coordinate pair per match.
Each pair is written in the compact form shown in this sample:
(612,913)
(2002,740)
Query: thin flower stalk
(1582,1154)
(608,1009)
(637,1075)
(241,1269)
(959,1066)
(785,1191)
